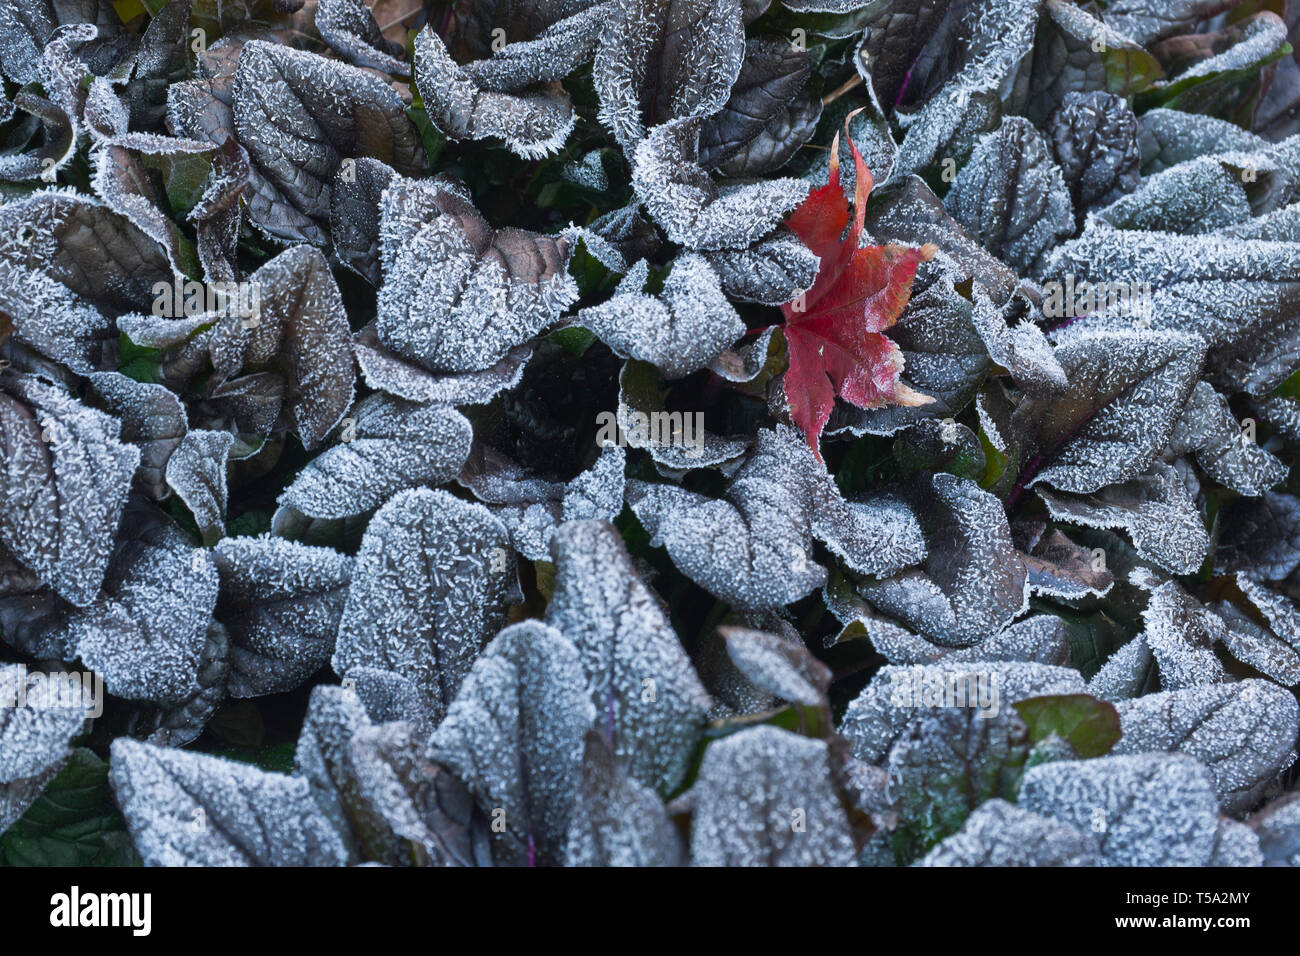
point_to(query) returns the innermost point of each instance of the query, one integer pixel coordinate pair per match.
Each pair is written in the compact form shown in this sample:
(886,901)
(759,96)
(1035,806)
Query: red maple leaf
(833,331)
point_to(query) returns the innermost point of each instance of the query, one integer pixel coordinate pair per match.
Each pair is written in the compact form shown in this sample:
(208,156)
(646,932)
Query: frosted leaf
(191,809)
(1208,429)
(695,212)
(559,50)
(649,703)
(1169,137)
(911,215)
(763,797)
(1155,509)
(287,114)
(1256,37)
(122,179)
(64,481)
(196,471)
(781,139)
(389,373)
(1093,136)
(1039,638)
(430,811)
(1060,568)
(944,357)
(520,20)
(151,417)
(1241,732)
(1010,196)
(996,36)
(457,294)
(348,27)
(65,258)
(497,479)
(628,233)
(354,214)
(59,148)
(772,271)
(395,445)
(1001,834)
(147,632)
(300,330)
(1235,294)
(734,694)
(1145,20)
(1157,809)
(660,61)
(1280,612)
(433,580)
(1280,414)
(1125,673)
(532,125)
(1022,349)
(388,696)
(617,821)
(162,60)
(1199,196)
(1278,827)
(679,331)
(773,664)
(1255,645)
(1260,536)
(773,72)
(972,581)
(515,736)
(203,109)
(878,535)
(1181,634)
(177,723)
(1137,383)
(641,399)
(531,508)
(33,618)
(16,798)
(34,737)
(1235,844)
(1063,60)
(281,602)
(598,492)
(375,786)
(754,550)
(947,763)
(333,718)
(896,644)
(745,362)
(896,695)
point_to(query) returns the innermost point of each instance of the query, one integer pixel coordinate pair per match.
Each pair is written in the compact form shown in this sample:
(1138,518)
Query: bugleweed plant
(649,432)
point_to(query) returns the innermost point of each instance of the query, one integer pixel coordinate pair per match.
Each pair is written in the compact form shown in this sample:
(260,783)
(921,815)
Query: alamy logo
(1073,300)
(654,430)
(914,687)
(75,908)
(175,300)
(59,690)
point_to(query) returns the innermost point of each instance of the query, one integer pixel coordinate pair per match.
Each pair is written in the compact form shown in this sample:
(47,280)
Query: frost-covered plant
(649,432)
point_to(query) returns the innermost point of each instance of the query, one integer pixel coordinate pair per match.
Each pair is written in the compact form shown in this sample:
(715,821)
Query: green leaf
(1091,726)
(434,141)
(575,339)
(73,823)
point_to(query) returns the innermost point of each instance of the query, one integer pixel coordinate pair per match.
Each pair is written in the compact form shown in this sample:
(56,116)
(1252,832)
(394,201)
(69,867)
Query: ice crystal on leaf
(515,735)
(430,588)
(763,799)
